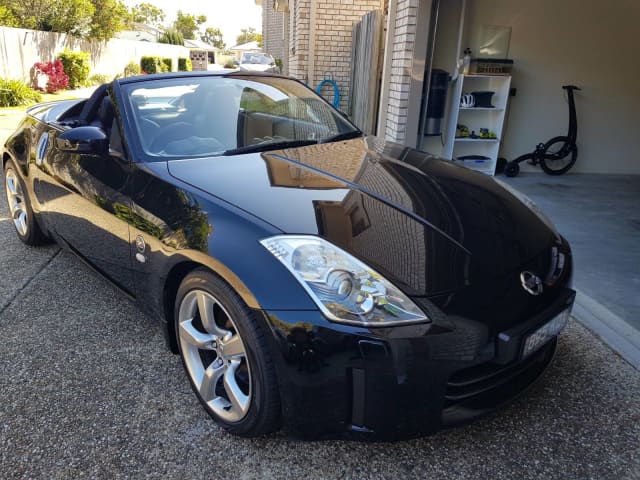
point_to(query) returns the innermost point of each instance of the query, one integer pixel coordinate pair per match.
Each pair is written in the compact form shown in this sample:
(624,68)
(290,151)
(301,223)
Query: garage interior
(590,44)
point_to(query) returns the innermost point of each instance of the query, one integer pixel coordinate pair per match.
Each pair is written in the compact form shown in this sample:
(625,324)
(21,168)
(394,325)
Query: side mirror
(87,139)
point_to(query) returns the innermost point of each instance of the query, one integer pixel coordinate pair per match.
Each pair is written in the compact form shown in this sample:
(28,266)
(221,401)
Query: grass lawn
(47,97)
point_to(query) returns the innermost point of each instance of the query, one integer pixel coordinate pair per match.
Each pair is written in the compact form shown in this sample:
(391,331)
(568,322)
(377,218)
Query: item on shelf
(473,158)
(466,61)
(467,100)
(482,99)
(480,163)
(487,134)
(462,131)
(490,66)
(436,102)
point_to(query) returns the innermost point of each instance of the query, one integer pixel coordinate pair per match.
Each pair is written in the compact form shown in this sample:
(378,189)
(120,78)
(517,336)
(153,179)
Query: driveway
(88,390)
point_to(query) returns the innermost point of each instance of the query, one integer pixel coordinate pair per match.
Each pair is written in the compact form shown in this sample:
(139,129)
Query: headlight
(529,203)
(345,289)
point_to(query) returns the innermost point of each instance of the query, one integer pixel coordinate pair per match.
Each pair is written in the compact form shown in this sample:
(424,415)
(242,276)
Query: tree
(109,18)
(188,24)
(98,19)
(171,36)
(32,14)
(71,16)
(7,18)
(213,36)
(249,35)
(148,14)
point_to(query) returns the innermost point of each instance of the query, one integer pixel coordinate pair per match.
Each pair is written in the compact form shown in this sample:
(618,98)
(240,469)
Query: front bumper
(390,383)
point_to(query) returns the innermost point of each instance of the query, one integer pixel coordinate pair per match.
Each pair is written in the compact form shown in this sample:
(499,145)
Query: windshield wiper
(261,147)
(342,136)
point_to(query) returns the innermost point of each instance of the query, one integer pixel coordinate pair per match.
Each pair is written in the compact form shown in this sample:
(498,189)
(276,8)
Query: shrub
(171,36)
(14,93)
(132,68)
(151,64)
(76,66)
(184,64)
(229,64)
(167,64)
(98,79)
(57,79)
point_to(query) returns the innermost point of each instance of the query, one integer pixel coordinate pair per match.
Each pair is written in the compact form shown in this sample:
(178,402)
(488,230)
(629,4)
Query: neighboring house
(141,32)
(199,51)
(238,50)
(548,45)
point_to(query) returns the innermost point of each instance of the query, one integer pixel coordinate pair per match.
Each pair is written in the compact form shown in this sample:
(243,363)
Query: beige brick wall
(334,21)
(275,34)
(404,33)
(298,38)
(334,25)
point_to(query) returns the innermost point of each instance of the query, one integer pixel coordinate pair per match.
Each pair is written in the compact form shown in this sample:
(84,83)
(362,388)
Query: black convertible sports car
(311,277)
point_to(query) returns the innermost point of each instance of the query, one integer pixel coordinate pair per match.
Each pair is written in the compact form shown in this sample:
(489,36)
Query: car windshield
(223,115)
(257,58)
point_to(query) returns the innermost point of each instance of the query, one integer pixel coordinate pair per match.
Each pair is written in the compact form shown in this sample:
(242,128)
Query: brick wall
(298,38)
(334,21)
(275,34)
(404,34)
(334,25)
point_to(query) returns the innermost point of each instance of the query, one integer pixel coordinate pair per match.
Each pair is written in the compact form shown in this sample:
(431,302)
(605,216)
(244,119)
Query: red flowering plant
(56,78)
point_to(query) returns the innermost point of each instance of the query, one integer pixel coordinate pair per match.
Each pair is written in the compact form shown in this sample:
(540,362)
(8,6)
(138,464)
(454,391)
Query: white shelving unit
(475,118)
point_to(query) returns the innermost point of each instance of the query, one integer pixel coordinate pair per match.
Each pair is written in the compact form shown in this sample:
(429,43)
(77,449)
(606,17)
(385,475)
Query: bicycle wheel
(560,153)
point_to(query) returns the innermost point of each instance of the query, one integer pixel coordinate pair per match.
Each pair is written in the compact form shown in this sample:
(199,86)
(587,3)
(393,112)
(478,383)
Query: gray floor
(600,216)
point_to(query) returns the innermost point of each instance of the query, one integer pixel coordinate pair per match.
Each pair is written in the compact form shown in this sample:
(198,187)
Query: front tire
(20,211)
(226,354)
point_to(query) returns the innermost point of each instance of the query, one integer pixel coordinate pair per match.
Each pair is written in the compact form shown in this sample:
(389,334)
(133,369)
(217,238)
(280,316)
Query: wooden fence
(366,55)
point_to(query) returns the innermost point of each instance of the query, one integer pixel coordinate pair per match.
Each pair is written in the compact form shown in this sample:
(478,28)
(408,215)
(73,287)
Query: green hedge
(99,79)
(131,69)
(168,64)
(172,36)
(76,66)
(151,64)
(14,93)
(184,64)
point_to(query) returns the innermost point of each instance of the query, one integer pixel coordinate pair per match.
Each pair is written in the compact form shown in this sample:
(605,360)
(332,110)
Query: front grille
(488,378)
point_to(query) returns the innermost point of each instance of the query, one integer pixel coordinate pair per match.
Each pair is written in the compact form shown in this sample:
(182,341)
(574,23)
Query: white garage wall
(20,49)
(590,43)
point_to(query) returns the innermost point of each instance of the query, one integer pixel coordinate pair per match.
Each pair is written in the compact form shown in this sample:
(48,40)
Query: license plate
(534,341)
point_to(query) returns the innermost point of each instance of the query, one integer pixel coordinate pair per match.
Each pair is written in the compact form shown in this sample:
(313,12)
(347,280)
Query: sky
(229,15)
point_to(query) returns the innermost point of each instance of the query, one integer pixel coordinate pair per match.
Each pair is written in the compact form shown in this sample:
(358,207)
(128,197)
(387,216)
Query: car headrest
(91,106)
(106,113)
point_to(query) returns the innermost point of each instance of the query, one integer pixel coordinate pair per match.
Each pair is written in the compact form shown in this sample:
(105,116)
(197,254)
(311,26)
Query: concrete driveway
(88,390)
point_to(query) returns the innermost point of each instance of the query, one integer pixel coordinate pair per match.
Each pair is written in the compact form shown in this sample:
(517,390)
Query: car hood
(427,224)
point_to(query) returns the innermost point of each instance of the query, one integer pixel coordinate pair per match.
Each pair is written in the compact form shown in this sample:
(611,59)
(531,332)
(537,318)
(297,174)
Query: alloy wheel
(16,202)
(214,355)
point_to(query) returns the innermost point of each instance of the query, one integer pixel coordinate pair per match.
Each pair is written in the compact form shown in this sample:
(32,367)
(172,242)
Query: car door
(90,213)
